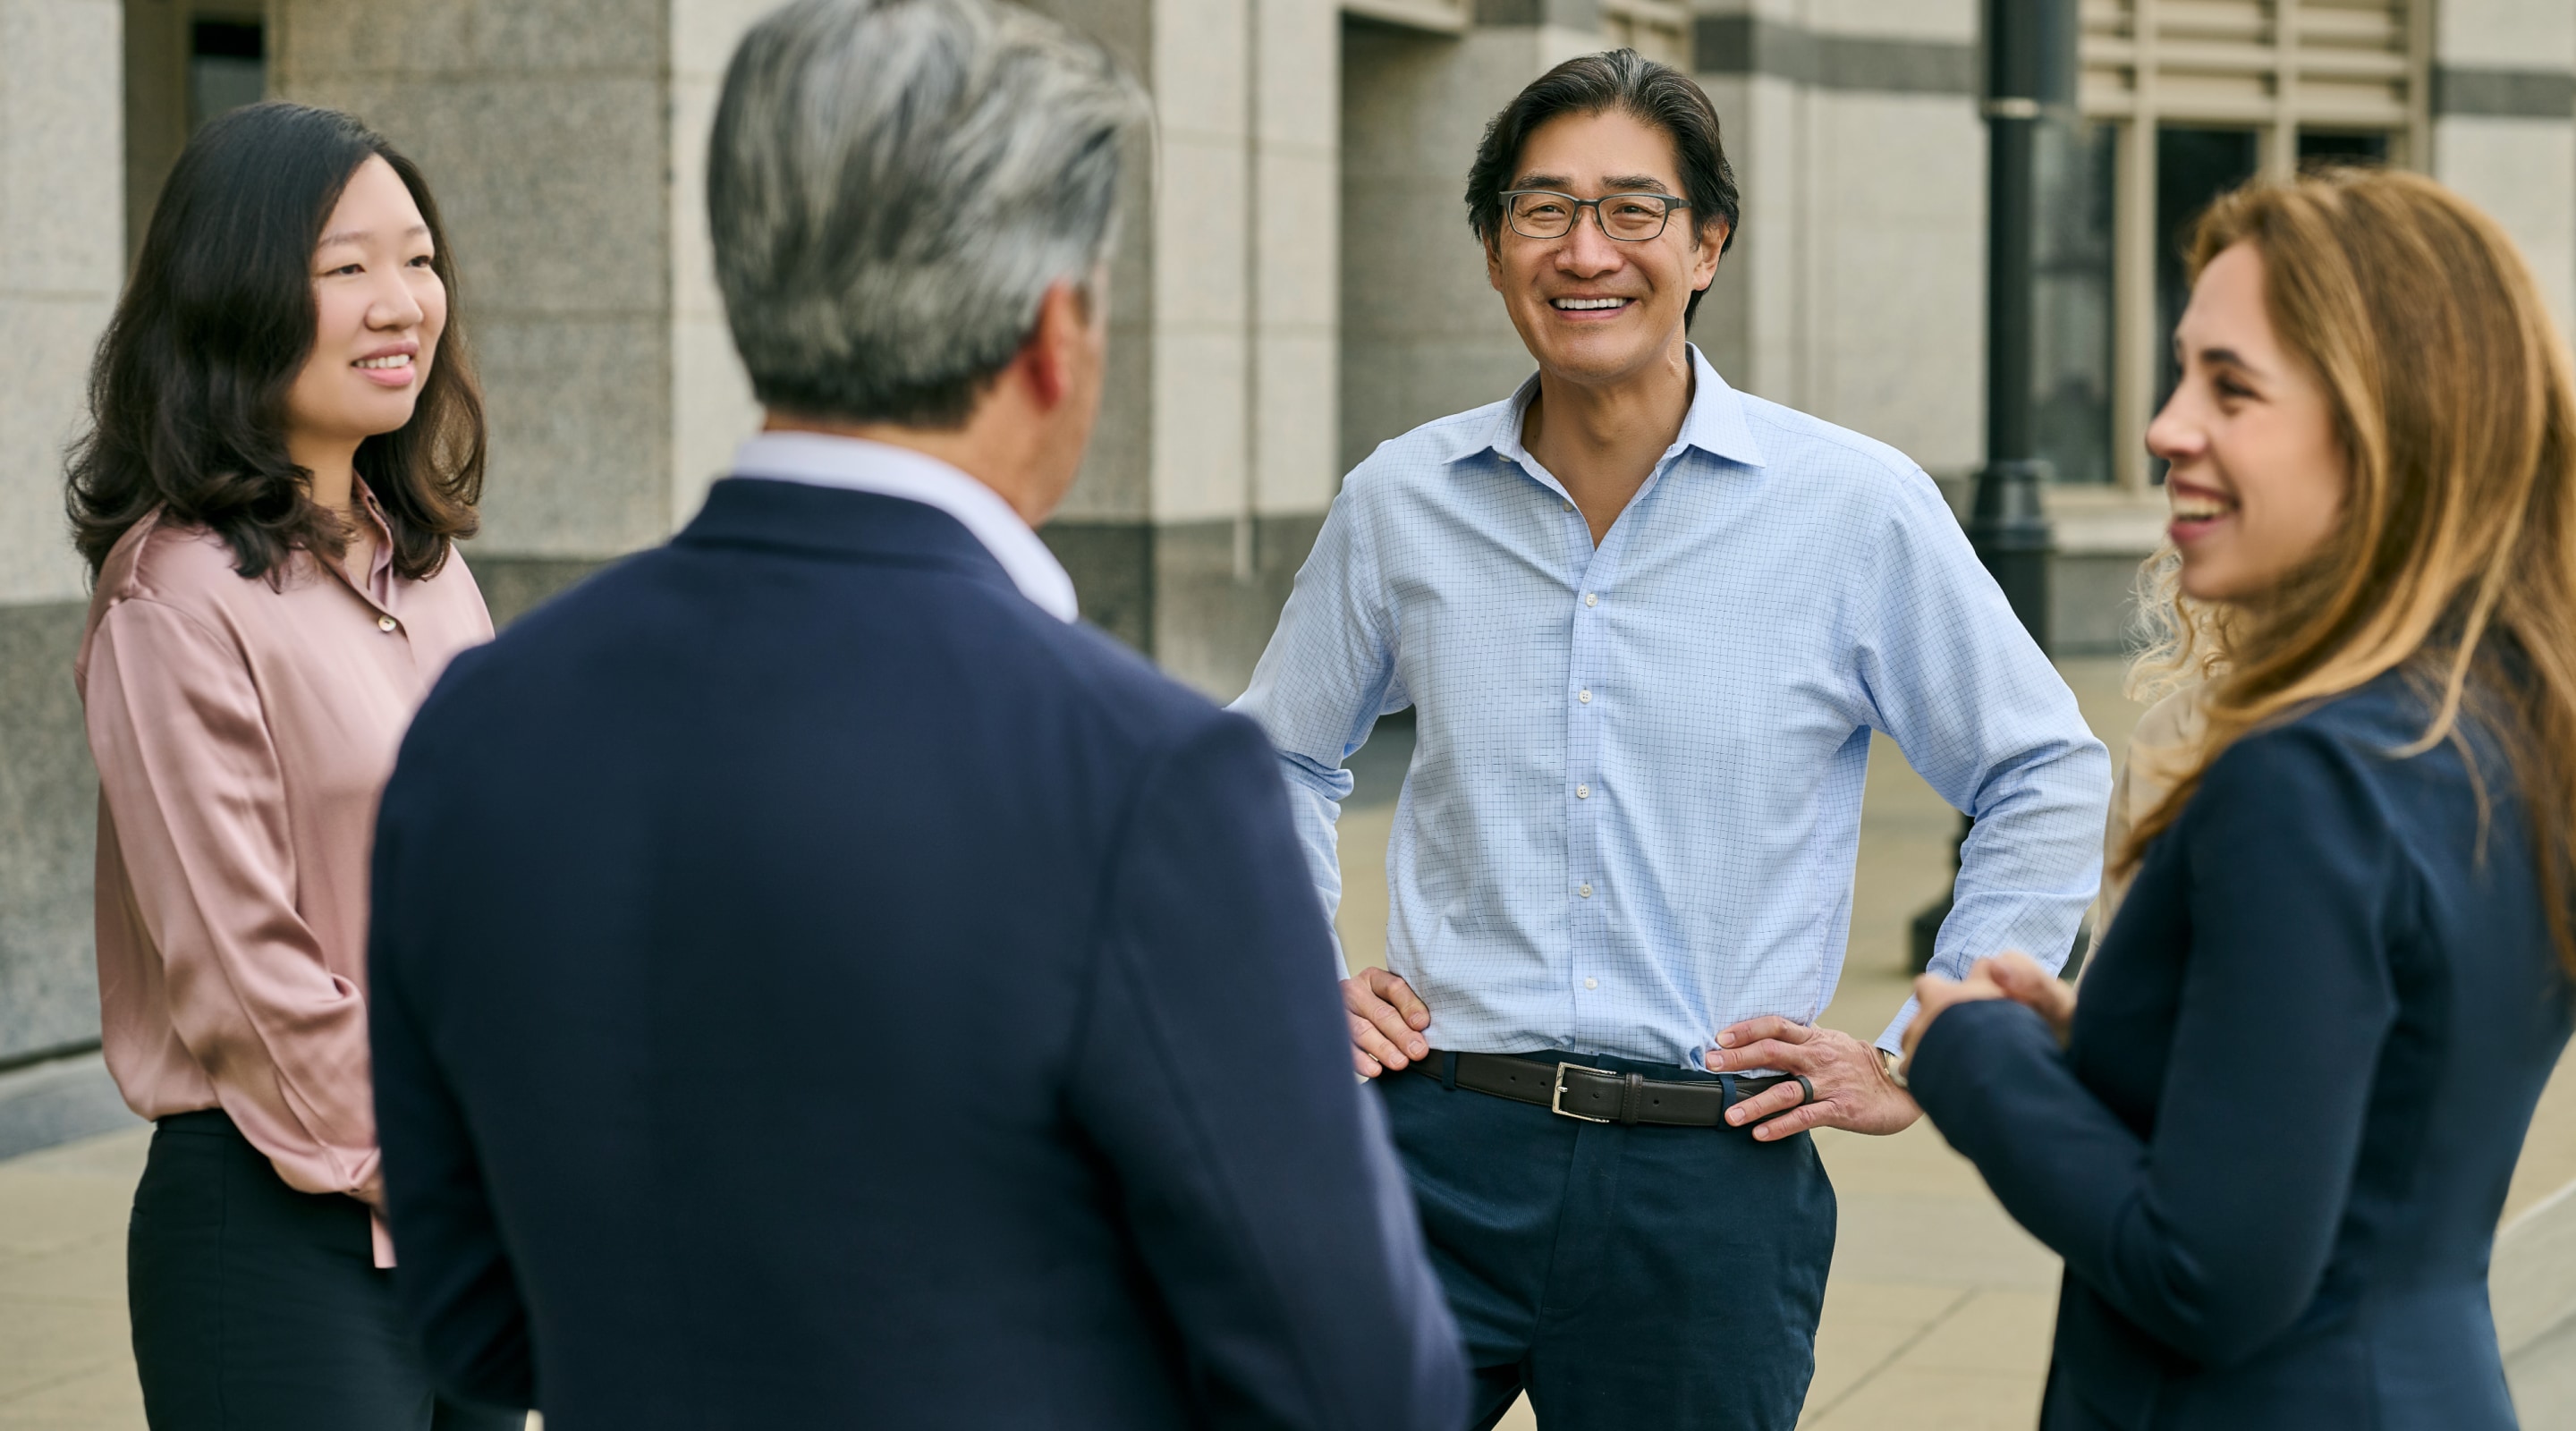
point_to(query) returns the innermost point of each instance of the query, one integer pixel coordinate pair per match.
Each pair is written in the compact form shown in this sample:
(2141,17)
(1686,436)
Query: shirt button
(385,623)
(1592,598)
(1569,506)
(1584,890)
(1585,696)
(1582,792)
(1592,983)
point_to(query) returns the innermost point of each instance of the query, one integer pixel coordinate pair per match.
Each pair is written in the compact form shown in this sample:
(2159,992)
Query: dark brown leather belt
(1597,1095)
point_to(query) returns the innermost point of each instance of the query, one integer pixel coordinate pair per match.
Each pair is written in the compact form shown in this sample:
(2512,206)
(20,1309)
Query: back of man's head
(893,185)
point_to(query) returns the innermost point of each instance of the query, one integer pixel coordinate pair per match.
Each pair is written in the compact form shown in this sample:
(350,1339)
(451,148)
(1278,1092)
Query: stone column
(62,252)
(2504,127)
(1423,333)
(1215,454)
(1856,288)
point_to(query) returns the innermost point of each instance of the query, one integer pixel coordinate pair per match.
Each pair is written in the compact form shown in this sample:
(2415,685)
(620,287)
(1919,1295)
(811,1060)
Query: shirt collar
(1714,424)
(858,465)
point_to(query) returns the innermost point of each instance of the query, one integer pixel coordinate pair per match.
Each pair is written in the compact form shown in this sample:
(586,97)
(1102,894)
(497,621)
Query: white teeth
(2194,511)
(398,360)
(1587,303)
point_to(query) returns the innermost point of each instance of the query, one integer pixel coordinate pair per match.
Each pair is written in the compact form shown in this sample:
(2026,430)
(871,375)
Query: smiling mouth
(1588,305)
(2196,512)
(394,360)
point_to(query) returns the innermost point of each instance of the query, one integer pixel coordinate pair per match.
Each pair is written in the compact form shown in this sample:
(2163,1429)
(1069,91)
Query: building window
(2199,95)
(2194,165)
(2073,305)
(227,68)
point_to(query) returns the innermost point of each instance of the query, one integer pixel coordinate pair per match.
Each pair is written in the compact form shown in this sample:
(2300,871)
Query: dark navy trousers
(1629,1279)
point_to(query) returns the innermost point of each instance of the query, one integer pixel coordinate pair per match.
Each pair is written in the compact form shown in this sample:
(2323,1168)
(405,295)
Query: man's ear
(1050,355)
(1712,237)
(1494,264)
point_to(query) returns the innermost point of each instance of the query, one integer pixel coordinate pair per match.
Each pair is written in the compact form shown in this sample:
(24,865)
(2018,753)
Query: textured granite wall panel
(48,814)
(62,258)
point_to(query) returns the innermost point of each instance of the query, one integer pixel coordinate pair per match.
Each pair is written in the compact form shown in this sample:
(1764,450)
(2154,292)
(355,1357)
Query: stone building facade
(1296,282)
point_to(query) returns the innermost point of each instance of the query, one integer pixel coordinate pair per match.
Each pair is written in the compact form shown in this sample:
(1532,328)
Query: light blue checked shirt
(1635,797)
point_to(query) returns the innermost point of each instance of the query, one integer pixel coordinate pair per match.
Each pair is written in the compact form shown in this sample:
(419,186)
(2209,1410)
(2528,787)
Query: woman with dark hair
(286,443)
(2272,1138)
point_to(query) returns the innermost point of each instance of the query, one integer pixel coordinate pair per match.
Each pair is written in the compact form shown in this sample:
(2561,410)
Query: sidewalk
(1937,1314)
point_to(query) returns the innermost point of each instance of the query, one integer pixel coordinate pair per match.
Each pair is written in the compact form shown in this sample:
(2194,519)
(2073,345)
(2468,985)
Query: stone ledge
(57,1102)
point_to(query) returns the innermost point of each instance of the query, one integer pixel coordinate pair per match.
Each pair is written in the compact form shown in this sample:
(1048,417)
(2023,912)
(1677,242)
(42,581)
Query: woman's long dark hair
(187,396)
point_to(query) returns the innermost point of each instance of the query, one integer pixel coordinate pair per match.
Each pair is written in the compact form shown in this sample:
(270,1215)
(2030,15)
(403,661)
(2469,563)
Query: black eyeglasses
(1629,218)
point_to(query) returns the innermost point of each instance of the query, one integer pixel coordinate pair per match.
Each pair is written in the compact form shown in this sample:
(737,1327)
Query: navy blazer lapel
(763,513)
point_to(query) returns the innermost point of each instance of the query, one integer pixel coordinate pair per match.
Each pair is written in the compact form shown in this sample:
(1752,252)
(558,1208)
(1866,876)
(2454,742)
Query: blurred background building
(1296,285)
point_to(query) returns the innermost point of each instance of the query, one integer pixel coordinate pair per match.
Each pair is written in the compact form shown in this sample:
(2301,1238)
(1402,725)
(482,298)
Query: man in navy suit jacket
(815,983)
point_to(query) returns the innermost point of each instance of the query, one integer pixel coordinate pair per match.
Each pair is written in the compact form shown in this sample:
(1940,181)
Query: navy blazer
(2275,1148)
(814,987)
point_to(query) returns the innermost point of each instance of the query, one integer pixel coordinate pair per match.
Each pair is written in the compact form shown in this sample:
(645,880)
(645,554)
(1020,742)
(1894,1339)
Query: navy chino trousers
(1629,1279)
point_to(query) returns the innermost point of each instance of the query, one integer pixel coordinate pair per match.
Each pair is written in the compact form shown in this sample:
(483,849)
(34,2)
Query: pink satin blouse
(242,732)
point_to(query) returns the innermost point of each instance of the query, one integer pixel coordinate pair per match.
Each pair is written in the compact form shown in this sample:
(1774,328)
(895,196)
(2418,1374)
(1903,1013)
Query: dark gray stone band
(1747,45)
(1571,14)
(2505,94)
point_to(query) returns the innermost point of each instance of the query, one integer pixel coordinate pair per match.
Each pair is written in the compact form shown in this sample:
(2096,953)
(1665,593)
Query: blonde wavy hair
(2456,559)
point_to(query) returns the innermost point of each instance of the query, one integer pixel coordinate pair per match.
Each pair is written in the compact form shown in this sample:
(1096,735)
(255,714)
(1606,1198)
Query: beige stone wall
(2521,168)
(545,130)
(1856,289)
(1423,334)
(62,260)
(1243,273)
(712,409)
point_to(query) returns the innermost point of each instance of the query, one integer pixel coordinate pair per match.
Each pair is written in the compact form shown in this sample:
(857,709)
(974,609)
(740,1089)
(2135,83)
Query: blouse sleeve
(193,783)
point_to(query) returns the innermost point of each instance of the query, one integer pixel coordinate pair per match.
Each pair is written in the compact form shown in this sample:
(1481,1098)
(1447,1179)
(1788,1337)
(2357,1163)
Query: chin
(1603,356)
(2207,580)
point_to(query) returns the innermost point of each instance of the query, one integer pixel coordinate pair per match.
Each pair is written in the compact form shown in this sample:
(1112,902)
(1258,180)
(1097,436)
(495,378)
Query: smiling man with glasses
(1648,625)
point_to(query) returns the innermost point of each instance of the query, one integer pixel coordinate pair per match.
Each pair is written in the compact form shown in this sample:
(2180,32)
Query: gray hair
(893,185)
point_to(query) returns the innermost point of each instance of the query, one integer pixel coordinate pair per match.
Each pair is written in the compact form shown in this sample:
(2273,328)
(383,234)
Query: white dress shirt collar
(858,465)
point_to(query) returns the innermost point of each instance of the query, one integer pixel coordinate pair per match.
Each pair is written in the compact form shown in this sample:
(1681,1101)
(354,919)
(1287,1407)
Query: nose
(395,305)
(1588,249)
(2173,435)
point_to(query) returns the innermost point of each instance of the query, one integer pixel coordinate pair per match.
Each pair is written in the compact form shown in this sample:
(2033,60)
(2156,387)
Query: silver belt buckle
(1556,1096)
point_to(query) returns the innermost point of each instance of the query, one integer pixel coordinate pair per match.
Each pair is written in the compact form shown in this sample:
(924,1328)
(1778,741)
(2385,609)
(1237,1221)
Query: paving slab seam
(36,1389)
(1818,1414)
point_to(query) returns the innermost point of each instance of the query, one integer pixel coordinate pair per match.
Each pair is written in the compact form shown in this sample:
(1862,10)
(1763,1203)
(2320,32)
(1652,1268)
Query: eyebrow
(1614,184)
(2219,357)
(362,235)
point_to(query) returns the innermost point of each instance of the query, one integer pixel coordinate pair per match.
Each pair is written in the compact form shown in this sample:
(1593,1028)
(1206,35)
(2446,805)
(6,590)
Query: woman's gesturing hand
(2012,975)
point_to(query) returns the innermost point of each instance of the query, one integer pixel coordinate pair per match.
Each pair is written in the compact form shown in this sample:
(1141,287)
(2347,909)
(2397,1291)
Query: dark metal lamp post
(2030,68)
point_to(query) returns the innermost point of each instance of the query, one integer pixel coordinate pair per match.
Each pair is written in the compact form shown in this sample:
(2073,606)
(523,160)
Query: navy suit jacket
(814,987)
(2275,1149)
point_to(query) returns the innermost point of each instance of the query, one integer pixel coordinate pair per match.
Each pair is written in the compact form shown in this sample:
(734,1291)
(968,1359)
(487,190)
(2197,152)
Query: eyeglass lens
(1623,216)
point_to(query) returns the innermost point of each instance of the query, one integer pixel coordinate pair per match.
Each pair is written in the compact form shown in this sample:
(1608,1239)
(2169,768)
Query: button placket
(1589,944)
